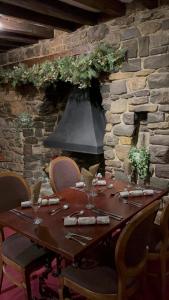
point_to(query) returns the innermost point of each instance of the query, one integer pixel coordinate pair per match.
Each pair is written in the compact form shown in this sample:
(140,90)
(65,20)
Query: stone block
(119,106)
(138,101)
(161,131)
(156,61)
(155,117)
(124,130)
(143,46)
(129,118)
(160,96)
(135,84)
(38,132)
(162,170)
(144,73)
(110,139)
(108,127)
(159,39)
(27,132)
(27,149)
(115,119)
(105,88)
(118,87)
(161,183)
(31,140)
(122,151)
(160,80)
(160,125)
(165,24)
(159,154)
(120,75)
(132,65)
(164,108)
(130,33)
(98,32)
(159,50)
(125,140)
(143,108)
(109,154)
(132,48)
(108,116)
(142,93)
(149,27)
(159,140)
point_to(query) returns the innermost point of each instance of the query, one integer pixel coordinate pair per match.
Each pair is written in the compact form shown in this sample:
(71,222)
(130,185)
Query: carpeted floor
(10,291)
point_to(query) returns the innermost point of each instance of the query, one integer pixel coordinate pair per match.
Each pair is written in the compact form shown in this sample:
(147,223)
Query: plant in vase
(140,160)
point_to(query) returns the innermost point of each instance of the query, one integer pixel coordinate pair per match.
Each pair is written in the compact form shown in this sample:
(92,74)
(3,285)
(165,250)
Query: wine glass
(128,172)
(88,187)
(36,204)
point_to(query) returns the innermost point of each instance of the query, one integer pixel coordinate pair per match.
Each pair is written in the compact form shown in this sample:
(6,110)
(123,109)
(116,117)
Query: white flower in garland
(140,159)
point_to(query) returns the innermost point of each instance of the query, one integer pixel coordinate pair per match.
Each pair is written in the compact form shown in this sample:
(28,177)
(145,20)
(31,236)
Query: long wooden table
(51,233)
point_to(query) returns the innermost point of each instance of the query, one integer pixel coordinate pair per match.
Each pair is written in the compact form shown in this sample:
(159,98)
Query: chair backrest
(131,248)
(164,225)
(63,173)
(13,190)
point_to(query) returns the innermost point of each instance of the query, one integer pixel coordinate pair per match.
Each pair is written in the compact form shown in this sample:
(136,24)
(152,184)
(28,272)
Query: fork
(70,237)
(80,235)
(137,204)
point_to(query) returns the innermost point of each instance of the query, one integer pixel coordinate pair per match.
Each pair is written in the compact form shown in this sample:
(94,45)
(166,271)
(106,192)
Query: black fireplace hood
(82,126)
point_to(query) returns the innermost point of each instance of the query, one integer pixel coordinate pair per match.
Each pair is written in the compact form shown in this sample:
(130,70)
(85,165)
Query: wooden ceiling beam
(26,28)
(22,13)
(56,9)
(113,8)
(17,38)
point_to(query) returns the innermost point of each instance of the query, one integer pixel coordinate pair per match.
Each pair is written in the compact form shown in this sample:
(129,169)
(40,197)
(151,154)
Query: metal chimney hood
(82,126)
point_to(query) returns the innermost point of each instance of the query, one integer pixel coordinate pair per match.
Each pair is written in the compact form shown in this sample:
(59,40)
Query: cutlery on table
(75,213)
(21,214)
(137,204)
(57,210)
(107,213)
(89,238)
(70,237)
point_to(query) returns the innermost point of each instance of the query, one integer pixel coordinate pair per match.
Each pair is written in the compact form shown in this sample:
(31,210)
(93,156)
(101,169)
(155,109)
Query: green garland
(78,70)
(140,159)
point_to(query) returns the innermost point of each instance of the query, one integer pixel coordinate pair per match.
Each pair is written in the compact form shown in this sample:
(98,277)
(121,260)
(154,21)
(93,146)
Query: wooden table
(51,233)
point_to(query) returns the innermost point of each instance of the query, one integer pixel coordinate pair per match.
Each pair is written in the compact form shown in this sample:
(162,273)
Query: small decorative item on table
(36,202)
(88,178)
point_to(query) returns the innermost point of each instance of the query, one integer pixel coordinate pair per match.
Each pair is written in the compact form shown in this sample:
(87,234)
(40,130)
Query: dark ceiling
(24,22)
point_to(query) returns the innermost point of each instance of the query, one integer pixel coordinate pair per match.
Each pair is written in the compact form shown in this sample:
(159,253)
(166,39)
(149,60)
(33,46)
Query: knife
(112,215)
(18,212)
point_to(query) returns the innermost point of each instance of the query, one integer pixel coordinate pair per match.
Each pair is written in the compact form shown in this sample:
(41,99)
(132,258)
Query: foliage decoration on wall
(77,70)
(140,159)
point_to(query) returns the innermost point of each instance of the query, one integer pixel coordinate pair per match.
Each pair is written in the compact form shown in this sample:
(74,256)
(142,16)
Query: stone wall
(135,99)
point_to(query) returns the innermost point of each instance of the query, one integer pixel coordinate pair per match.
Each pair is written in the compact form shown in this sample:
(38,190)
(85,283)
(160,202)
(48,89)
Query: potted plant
(140,160)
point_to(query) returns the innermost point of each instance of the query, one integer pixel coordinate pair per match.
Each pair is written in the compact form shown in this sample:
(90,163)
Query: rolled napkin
(86,220)
(102,220)
(136,193)
(70,221)
(43,202)
(79,184)
(100,182)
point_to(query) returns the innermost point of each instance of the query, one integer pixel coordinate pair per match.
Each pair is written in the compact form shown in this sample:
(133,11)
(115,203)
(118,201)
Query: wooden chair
(16,250)
(158,256)
(63,173)
(104,282)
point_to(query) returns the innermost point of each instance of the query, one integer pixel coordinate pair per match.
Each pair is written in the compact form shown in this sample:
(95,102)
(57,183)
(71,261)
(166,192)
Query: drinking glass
(36,204)
(88,187)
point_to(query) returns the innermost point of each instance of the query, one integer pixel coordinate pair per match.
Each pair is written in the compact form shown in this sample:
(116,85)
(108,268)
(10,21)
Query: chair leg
(28,292)
(61,288)
(163,280)
(1,276)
